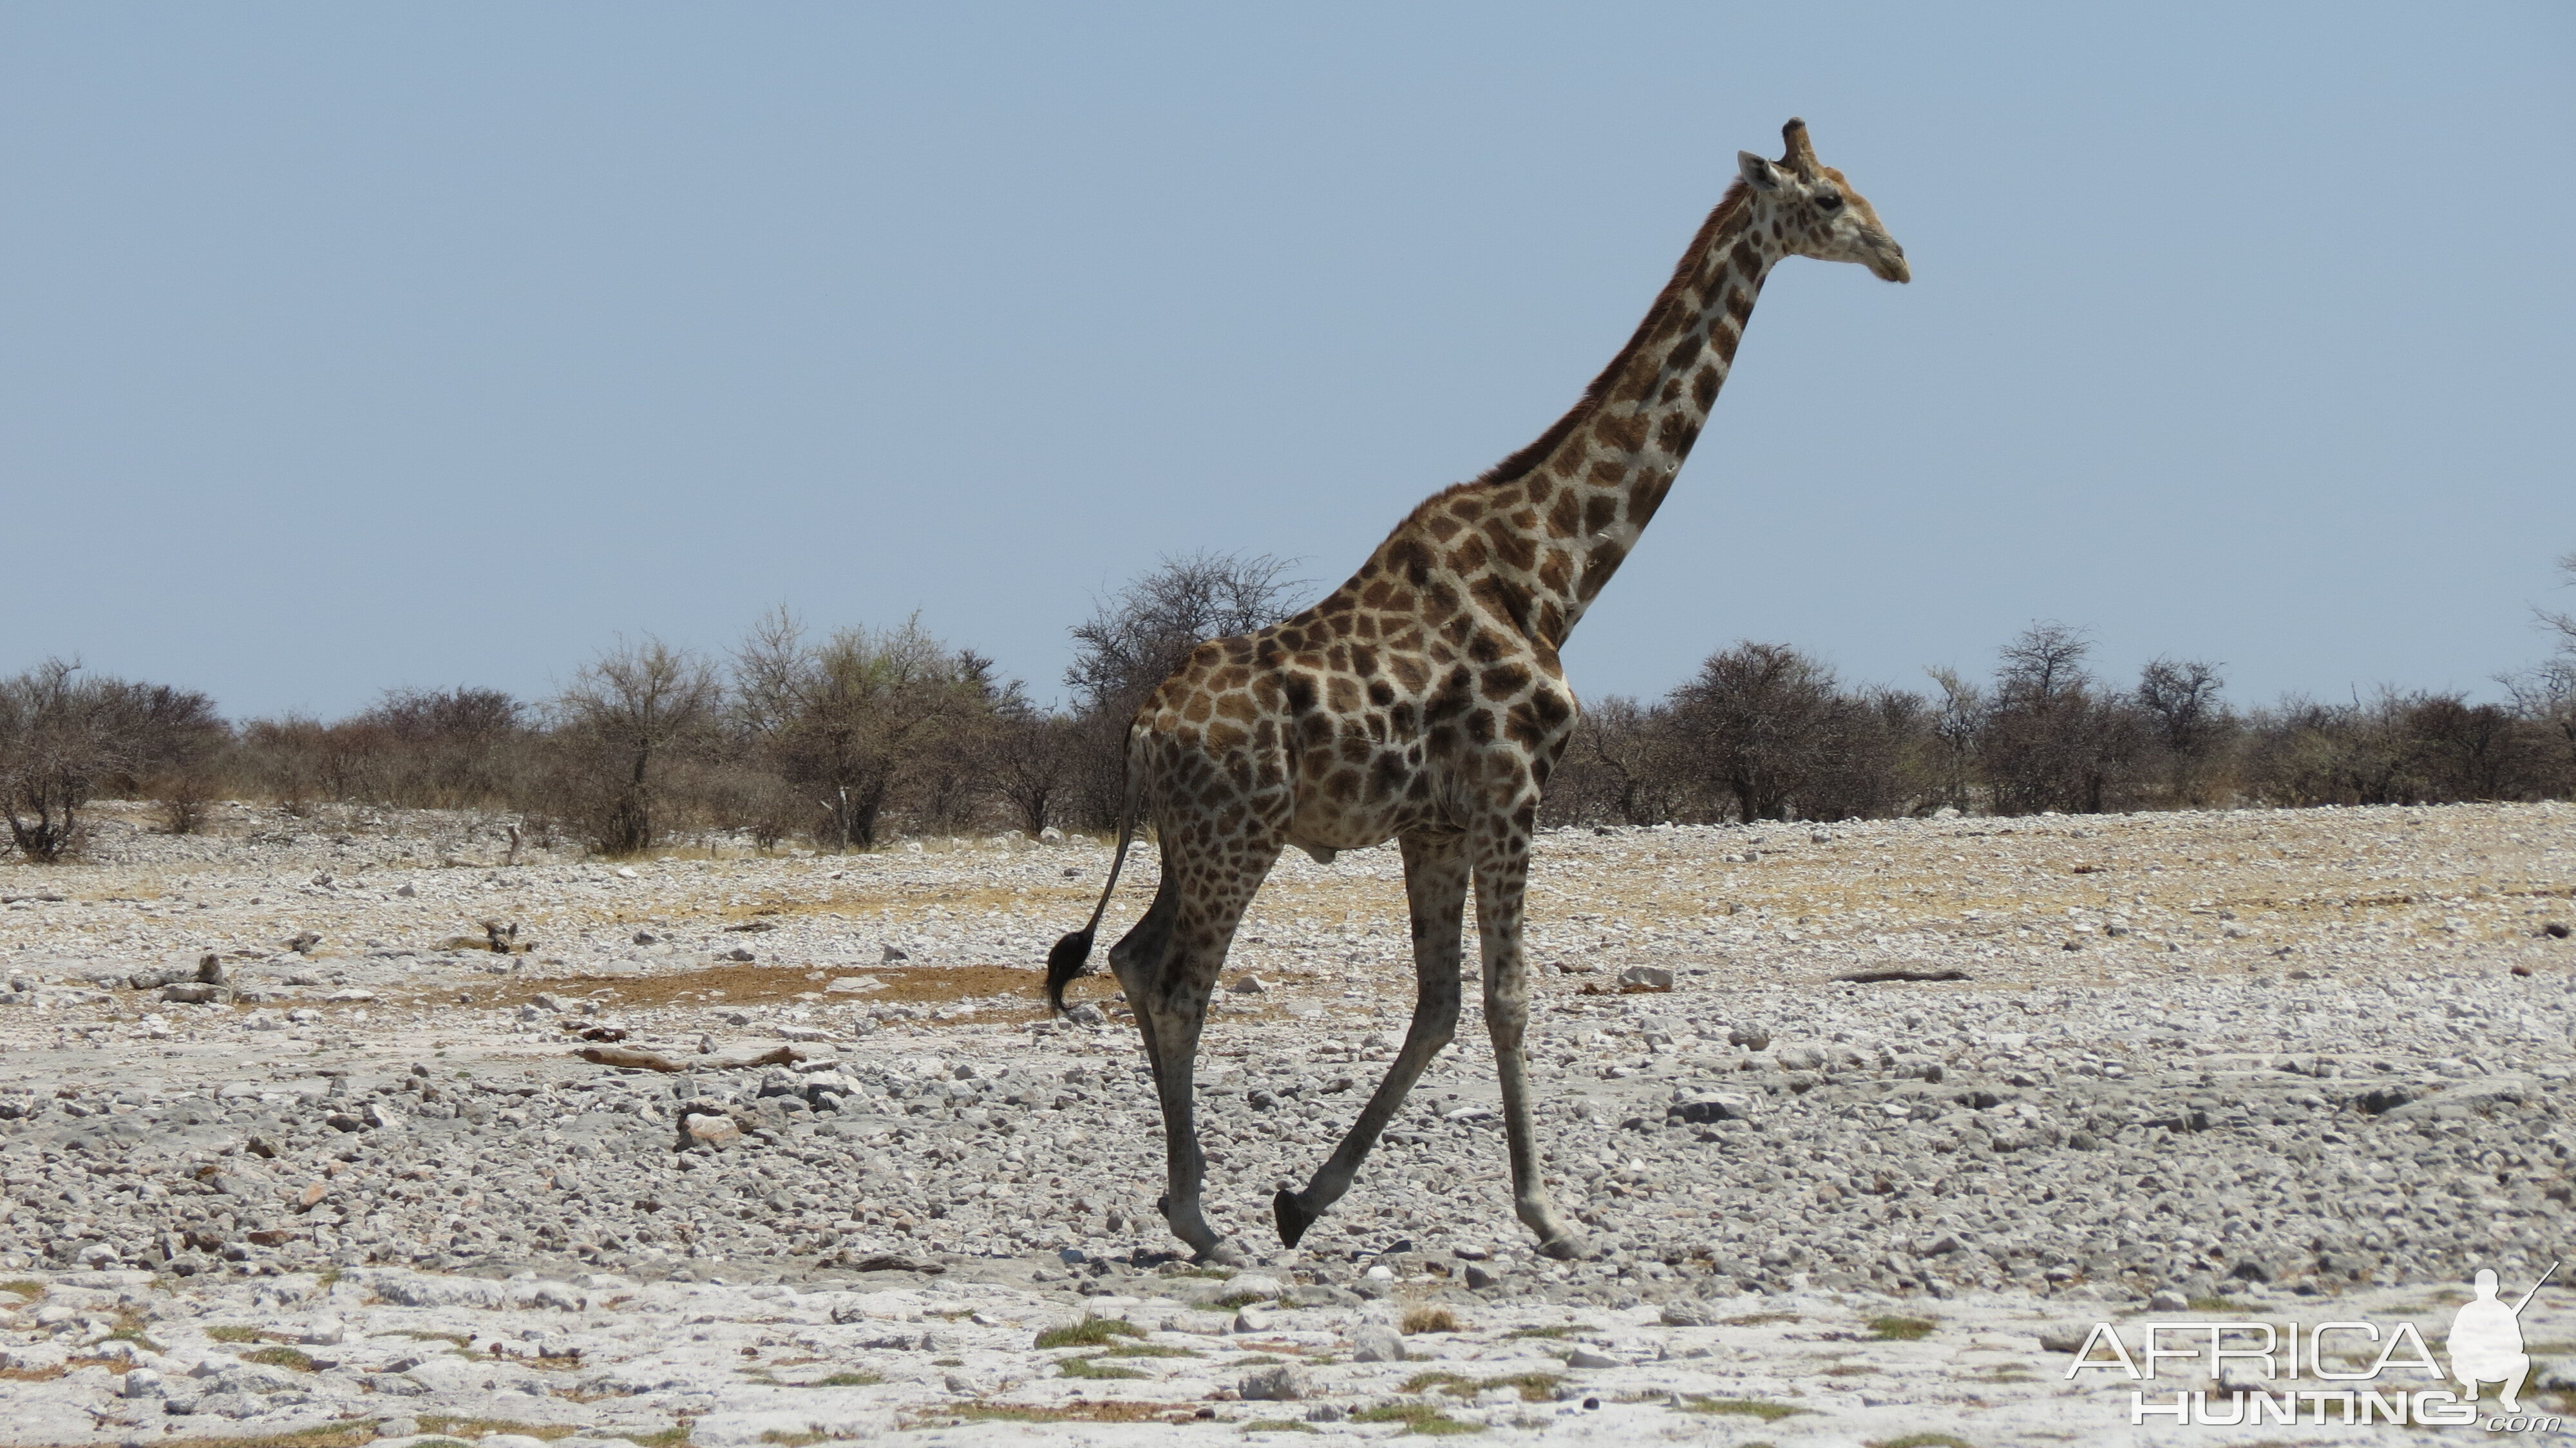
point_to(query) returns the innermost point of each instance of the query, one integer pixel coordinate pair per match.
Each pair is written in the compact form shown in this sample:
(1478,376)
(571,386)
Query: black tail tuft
(1065,966)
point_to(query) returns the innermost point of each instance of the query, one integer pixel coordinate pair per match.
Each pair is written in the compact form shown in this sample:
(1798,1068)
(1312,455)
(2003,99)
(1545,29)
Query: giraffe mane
(1520,464)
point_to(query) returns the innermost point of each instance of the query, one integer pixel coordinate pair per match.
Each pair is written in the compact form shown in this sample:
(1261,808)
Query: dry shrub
(1429,1319)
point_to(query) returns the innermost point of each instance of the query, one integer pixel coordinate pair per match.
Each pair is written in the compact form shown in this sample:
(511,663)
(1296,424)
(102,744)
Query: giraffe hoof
(1294,1219)
(1567,1248)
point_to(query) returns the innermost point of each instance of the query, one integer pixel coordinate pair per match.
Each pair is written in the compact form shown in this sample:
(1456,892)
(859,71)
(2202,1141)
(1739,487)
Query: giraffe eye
(1829,201)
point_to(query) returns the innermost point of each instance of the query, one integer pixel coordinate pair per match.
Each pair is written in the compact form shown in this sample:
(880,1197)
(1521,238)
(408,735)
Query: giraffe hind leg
(1169,970)
(1137,960)
(1435,887)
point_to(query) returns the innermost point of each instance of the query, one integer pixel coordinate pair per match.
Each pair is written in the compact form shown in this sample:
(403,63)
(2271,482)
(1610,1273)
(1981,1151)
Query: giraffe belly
(1335,810)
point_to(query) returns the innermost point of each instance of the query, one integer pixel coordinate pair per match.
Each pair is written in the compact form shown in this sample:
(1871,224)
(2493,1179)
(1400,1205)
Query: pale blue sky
(353,346)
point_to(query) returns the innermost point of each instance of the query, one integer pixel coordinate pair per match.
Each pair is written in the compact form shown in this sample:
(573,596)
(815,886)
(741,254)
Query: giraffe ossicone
(1422,701)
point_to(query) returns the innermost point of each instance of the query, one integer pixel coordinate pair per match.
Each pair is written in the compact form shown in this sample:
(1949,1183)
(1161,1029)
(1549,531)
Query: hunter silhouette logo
(2244,1360)
(2486,1341)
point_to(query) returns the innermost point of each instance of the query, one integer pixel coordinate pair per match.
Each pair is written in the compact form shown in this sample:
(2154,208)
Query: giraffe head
(1817,211)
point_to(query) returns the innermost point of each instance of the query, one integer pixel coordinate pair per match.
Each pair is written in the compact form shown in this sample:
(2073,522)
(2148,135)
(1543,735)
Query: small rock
(1584,1357)
(143,1383)
(892,955)
(1281,1383)
(738,954)
(1376,1342)
(2064,1337)
(1645,978)
(1248,985)
(1750,1037)
(1478,1279)
(627,872)
(717,1129)
(1251,1319)
(2168,1300)
(1687,1314)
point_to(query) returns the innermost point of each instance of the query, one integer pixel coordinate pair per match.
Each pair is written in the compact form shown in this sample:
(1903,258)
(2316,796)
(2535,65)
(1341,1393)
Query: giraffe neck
(1559,516)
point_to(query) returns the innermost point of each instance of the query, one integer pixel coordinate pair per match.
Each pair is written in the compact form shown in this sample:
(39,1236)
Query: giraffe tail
(1066,964)
(1069,960)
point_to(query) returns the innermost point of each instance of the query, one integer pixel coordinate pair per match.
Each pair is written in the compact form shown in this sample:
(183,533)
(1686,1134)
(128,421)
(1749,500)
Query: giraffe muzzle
(1886,258)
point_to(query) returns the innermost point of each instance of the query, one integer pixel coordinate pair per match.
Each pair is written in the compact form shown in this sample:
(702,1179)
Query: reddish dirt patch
(1017,992)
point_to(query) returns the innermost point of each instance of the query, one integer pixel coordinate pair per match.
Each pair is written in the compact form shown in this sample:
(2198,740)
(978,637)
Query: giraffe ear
(1759,174)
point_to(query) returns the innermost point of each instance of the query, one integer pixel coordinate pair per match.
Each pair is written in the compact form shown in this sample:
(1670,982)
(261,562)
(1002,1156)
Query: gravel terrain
(288,1144)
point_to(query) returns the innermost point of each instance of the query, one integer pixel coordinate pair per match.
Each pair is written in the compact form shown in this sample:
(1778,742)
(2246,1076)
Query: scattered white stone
(1377,1342)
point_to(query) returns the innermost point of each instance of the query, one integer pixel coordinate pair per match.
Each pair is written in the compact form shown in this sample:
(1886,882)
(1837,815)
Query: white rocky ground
(2317,1062)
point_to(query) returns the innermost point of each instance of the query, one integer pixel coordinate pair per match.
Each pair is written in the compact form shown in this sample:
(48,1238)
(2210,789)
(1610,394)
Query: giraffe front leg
(1435,887)
(1502,874)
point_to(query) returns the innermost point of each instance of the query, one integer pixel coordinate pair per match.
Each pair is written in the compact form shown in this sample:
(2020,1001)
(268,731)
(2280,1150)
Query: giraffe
(1423,701)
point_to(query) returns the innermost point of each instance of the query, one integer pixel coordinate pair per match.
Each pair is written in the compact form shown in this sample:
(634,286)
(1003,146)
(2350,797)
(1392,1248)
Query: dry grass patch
(1430,1319)
(860,1379)
(902,901)
(1768,1412)
(477,1427)
(1090,1332)
(1083,1367)
(329,1435)
(1103,1412)
(1418,1419)
(456,1338)
(1533,1387)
